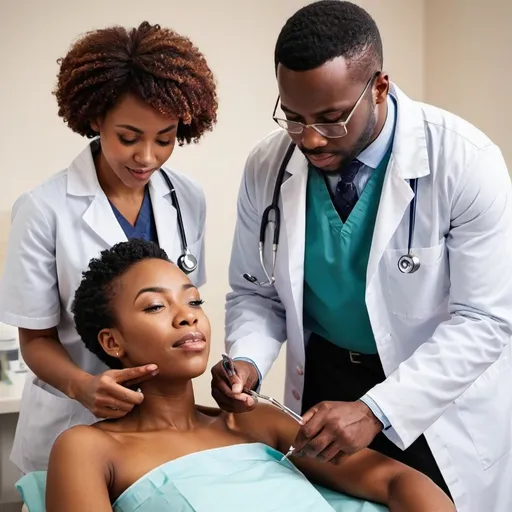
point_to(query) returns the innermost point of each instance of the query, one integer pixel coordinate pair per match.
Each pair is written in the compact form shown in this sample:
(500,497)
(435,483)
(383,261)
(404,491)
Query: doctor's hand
(334,429)
(228,391)
(107,395)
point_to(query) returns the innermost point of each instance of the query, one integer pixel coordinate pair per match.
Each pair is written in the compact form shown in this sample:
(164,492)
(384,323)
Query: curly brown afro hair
(161,67)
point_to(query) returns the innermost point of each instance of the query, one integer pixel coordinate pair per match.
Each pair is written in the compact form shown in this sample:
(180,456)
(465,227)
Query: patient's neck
(166,405)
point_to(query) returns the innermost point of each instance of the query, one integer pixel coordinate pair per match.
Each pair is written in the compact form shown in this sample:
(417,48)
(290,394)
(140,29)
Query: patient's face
(160,320)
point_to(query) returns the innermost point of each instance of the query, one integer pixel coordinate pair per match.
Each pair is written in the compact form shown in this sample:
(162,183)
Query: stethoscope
(187,262)
(410,263)
(407,264)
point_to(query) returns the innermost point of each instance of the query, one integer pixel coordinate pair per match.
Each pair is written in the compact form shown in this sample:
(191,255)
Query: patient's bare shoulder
(83,441)
(80,471)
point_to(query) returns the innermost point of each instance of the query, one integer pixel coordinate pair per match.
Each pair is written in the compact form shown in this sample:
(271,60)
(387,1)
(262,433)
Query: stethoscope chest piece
(408,264)
(187,262)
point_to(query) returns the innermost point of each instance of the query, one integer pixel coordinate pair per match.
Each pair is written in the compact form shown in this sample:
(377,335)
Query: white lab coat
(443,333)
(56,229)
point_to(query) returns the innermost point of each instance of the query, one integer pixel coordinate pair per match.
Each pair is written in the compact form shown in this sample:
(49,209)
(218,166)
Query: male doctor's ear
(381,88)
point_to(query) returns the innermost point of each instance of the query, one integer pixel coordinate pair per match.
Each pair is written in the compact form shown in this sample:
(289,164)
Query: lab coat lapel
(102,220)
(395,197)
(293,196)
(83,181)
(165,216)
(409,160)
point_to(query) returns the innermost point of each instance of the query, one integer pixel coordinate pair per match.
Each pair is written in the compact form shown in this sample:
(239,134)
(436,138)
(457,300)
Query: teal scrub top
(336,259)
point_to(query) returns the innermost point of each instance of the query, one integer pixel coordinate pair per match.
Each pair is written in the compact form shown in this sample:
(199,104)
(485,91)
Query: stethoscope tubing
(411,261)
(187,261)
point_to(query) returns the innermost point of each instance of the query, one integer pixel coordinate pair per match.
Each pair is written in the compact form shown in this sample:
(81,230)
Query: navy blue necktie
(345,196)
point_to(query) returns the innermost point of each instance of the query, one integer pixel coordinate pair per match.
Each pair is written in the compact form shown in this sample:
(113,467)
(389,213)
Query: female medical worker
(417,365)
(140,91)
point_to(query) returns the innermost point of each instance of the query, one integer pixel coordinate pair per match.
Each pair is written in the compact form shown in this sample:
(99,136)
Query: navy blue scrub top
(145,226)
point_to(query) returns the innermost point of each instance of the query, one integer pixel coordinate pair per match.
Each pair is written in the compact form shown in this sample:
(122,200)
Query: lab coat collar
(298,164)
(158,184)
(82,177)
(83,180)
(409,152)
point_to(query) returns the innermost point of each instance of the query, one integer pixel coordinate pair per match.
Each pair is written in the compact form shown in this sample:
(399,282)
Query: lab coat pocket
(418,295)
(486,411)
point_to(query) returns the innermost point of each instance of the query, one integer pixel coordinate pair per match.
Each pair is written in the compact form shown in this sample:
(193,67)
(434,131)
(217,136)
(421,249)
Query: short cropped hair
(325,30)
(92,301)
(161,67)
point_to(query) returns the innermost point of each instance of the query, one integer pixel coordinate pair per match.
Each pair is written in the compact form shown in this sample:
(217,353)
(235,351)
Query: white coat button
(300,370)
(296,394)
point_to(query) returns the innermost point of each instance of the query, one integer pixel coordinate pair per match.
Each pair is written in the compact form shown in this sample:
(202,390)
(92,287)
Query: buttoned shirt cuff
(377,411)
(260,378)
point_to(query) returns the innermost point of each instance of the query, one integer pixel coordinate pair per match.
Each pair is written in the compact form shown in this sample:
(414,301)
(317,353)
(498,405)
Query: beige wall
(237,38)
(468,63)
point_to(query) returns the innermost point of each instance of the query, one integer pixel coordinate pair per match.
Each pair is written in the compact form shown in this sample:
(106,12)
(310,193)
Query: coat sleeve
(255,317)
(29,295)
(462,348)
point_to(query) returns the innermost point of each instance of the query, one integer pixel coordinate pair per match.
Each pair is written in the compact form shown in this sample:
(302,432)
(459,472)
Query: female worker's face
(136,141)
(159,320)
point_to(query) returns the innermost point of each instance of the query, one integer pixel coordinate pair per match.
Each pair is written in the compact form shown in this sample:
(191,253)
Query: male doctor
(409,356)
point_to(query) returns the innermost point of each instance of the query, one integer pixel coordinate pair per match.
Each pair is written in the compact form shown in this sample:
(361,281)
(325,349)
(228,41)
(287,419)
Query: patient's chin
(197,369)
(185,370)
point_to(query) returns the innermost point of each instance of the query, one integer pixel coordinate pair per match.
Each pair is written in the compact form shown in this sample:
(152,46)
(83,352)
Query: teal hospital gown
(248,477)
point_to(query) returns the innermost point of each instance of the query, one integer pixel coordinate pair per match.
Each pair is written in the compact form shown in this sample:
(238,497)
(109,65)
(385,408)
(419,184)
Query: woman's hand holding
(107,395)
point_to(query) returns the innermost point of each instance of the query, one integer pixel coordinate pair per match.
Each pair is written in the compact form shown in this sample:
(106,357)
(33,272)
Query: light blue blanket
(248,477)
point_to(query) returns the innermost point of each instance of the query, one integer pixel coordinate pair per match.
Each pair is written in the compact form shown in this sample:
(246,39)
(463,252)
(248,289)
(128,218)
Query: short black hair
(91,305)
(325,30)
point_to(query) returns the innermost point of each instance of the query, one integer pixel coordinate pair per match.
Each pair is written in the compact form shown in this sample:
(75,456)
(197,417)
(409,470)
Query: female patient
(136,308)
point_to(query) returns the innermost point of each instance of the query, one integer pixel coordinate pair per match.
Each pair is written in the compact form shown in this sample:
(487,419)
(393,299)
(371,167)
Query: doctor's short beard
(361,144)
